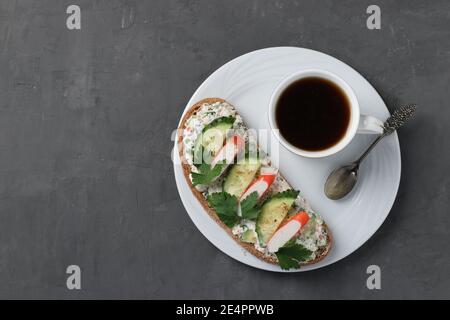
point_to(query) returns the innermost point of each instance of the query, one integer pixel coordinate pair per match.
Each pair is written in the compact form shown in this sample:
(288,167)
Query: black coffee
(313,114)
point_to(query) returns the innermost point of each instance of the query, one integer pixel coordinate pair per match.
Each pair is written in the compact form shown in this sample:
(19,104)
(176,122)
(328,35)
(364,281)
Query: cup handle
(370,125)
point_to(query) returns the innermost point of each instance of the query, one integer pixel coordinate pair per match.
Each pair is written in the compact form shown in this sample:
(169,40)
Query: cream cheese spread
(313,235)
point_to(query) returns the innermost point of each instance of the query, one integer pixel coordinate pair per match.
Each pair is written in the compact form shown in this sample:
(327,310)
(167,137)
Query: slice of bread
(187,170)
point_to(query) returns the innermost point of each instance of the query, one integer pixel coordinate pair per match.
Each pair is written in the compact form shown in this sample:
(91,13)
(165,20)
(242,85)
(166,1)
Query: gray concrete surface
(85,123)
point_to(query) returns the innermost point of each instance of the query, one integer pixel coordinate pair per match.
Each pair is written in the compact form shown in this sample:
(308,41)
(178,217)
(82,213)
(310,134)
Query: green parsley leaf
(225,206)
(291,255)
(249,206)
(206,174)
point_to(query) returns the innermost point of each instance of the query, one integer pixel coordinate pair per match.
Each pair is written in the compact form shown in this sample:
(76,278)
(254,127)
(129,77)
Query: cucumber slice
(240,176)
(198,152)
(214,134)
(273,212)
(249,236)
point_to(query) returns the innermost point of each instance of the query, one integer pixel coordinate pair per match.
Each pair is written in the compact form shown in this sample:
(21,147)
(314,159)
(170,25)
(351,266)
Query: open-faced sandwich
(240,189)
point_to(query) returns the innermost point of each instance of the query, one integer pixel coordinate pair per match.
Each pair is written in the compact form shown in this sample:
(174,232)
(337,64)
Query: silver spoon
(342,180)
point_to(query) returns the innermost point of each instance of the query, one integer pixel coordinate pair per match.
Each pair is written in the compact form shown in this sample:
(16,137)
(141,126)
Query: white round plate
(247,82)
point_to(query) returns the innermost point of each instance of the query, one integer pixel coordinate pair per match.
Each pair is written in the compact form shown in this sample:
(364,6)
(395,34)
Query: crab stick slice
(287,231)
(232,147)
(260,185)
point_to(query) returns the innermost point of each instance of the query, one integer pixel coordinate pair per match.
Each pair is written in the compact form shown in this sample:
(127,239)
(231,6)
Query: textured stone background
(85,123)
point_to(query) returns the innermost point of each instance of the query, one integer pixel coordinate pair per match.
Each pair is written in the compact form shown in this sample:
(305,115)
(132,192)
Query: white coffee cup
(358,123)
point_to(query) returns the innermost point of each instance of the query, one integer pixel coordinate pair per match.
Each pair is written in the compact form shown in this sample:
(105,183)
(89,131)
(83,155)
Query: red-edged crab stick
(232,147)
(260,185)
(290,228)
